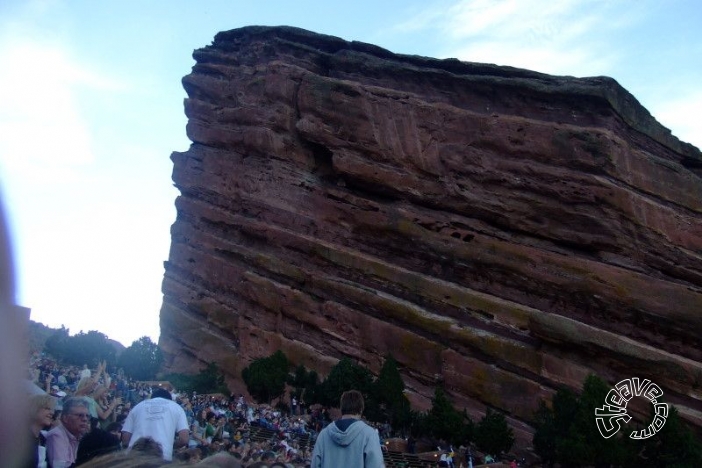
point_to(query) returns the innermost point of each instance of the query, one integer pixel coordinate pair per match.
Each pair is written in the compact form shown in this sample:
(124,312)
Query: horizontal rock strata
(501,232)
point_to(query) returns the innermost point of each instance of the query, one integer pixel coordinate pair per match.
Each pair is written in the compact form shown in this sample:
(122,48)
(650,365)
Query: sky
(91,107)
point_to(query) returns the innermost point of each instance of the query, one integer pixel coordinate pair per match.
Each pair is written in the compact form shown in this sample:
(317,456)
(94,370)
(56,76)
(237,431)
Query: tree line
(141,360)
(385,400)
(566,433)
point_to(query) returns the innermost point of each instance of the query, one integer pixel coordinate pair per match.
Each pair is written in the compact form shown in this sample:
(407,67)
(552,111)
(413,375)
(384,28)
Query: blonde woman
(98,407)
(41,413)
(85,387)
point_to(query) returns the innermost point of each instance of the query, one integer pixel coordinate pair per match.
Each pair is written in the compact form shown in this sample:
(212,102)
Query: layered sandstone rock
(501,232)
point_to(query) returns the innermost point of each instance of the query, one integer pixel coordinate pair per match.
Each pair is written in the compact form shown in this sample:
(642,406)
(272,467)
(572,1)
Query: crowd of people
(82,416)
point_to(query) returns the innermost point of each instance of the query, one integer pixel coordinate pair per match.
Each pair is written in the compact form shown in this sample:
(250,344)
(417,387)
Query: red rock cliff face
(499,231)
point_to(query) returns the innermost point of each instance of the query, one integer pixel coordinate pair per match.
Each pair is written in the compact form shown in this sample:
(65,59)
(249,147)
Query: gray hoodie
(347,443)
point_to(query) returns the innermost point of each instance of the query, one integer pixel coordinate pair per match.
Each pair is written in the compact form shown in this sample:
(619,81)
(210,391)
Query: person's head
(85,386)
(160,392)
(193,455)
(351,402)
(41,410)
(75,416)
(220,460)
(147,446)
(114,428)
(258,464)
(99,392)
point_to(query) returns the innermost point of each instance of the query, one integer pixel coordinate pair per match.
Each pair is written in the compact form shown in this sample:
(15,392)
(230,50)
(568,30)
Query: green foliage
(305,384)
(546,434)
(345,376)
(142,359)
(82,348)
(567,434)
(600,451)
(55,344)
(389,393)
(416,423)
(208,380)
(674,445)
(443,421)
(311,393)
(493,435)
(265,378)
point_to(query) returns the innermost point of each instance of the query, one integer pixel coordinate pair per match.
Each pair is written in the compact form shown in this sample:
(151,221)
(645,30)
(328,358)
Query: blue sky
(91,106)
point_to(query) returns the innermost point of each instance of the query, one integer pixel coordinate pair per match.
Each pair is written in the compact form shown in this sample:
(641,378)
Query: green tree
(56,343)
(265,378)
(142,359)
(389,391)
(82,348)
(208,380)
(600,452)
(674,445)
(344,376)
(567,433)
(443,421)
(312,388)
(492,434)
(546,434)
(305,384)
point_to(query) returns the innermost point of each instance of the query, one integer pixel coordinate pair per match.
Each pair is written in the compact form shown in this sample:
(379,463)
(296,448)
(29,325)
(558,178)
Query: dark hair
(351,402)
(148,446)
(159,392)
(97,442)
(114,426)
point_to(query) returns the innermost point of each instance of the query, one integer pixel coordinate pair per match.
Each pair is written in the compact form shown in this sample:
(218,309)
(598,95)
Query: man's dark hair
(114,427)
(97,442)
(351,402)
(147,446)
(159,392)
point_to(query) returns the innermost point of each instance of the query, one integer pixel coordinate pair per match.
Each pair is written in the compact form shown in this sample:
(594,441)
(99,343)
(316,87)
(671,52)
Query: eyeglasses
(80,415)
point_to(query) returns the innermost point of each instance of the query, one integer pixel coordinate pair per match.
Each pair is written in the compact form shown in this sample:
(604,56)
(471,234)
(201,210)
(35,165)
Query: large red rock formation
(499,231)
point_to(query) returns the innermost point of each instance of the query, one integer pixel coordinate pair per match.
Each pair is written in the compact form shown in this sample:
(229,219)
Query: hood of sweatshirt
(346,436)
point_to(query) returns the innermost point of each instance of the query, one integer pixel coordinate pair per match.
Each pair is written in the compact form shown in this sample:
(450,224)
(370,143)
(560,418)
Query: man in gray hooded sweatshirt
(348,442)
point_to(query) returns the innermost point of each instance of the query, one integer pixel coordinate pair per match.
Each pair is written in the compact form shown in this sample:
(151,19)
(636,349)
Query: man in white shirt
(159,418)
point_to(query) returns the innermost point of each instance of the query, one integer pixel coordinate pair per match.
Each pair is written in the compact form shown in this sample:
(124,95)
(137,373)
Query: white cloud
(40,116)
(551,37)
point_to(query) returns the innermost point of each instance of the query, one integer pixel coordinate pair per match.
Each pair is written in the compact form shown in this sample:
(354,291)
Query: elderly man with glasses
(62,441)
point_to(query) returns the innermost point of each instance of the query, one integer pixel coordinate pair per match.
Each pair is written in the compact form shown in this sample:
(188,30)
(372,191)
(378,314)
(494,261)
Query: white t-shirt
(159,419)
